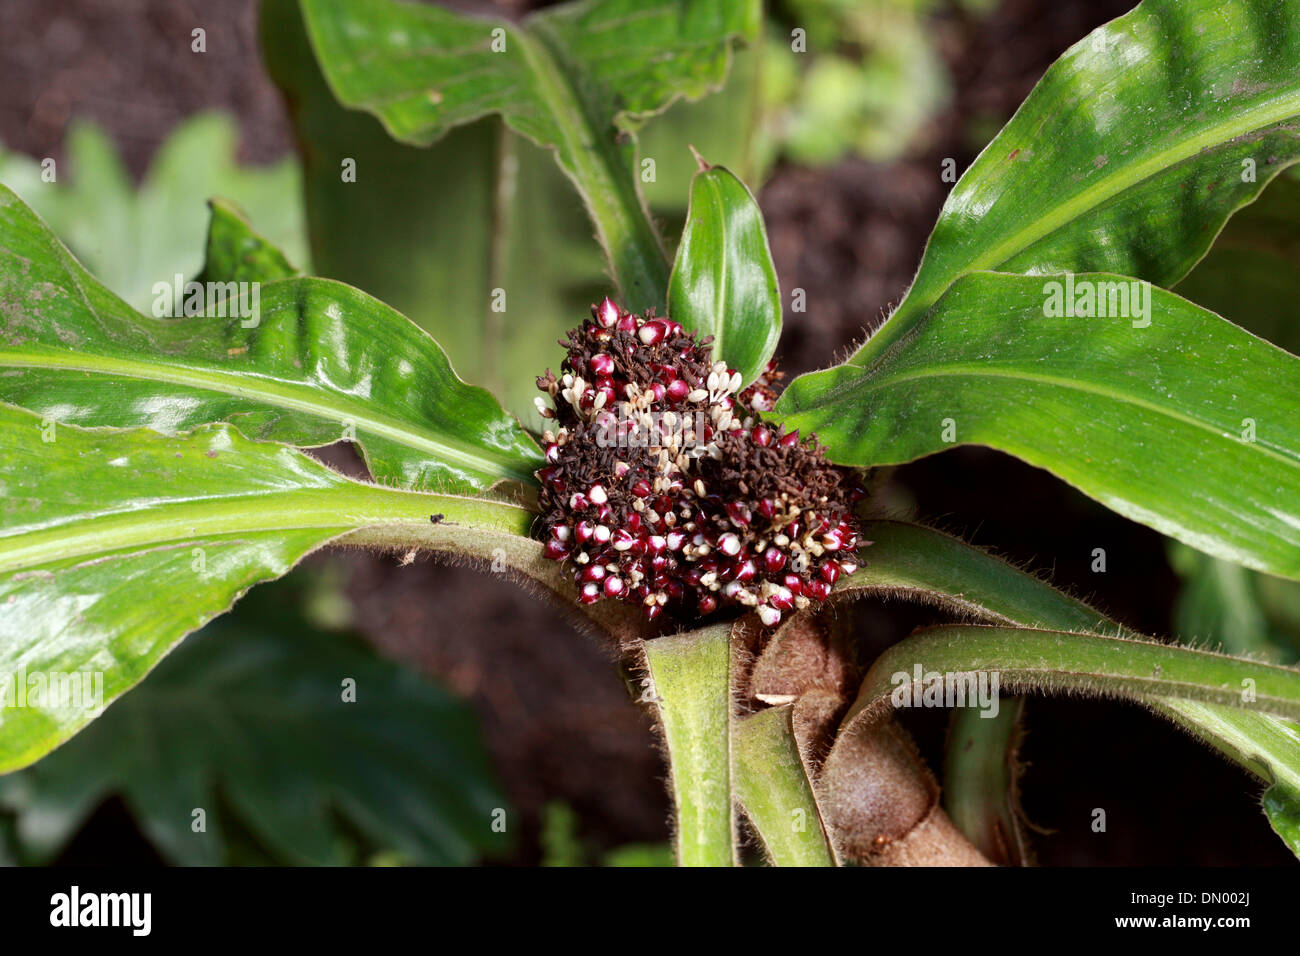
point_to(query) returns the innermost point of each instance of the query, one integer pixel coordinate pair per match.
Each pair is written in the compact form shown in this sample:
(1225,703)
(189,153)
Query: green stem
(773,787)
(1031,659)
(602,170)
(979,781)
(690,675)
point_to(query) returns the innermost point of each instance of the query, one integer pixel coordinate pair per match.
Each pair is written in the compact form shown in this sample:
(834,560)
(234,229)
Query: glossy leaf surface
(449,234)
(1177,419)
(1129,154)
(306,362)
(724,283)
(115,544)
(575,78)
(253,717)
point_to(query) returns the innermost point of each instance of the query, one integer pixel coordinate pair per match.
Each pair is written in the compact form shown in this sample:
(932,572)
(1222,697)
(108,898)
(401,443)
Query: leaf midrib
(206,519)
(333,510)
(1104,189)
(724,271)
(592,156)
(965,370)
(273,392)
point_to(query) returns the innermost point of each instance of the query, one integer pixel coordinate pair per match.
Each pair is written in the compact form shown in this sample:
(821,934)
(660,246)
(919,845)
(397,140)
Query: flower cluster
(664,488)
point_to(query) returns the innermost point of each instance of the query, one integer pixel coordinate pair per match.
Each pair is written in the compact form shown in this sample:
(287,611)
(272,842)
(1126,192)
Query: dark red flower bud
(652,332)
(666,490)
(605,314)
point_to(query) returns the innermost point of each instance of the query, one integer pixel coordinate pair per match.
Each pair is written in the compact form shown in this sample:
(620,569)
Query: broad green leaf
(1251,276)
(772,785)
(1129,154)
(114,544)
(305,361)
(132,238)
(249,717)
(690,673)
(577,78)
(724,283)
(910,560)
(1177,419)
(448,235)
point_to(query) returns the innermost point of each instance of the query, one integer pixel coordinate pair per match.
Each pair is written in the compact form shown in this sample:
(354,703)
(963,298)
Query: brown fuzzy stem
(882,803)
(879,799)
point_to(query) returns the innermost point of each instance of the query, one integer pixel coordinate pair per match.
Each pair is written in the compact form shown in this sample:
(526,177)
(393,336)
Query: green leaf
(772,785)
(236,253)
(724,283)
(436,232)
(1282,807)
(909,560)
(314,361)
(691,677)
(577,78)
(131,238)
(727,126)
(115,544)
(250,715)
(1218,603)
(1268,747)
(1178,420)
(1129,154)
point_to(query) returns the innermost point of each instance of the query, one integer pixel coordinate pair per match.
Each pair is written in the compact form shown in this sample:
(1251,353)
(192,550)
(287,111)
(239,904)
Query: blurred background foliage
(275,736)
(131,236)
(843,143)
